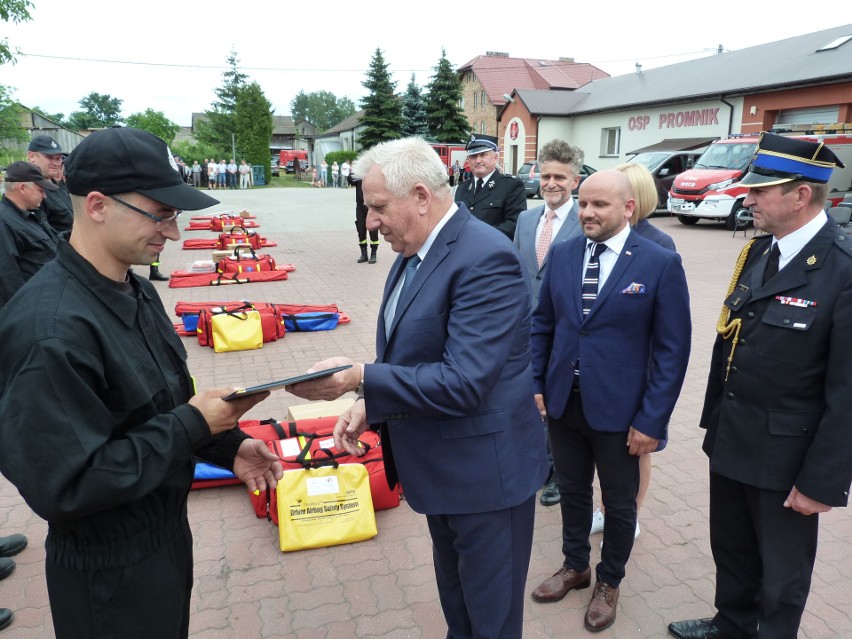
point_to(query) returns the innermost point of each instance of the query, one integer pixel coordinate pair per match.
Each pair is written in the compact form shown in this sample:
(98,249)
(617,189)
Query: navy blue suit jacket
(633,348)
(453,382)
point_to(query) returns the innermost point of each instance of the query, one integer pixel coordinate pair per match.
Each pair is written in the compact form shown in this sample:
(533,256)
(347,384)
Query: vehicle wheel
(687,219)
(739,218)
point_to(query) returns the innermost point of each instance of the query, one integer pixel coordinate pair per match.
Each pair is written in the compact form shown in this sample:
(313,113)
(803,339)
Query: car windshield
(650,160)
(526,169)
(727,156)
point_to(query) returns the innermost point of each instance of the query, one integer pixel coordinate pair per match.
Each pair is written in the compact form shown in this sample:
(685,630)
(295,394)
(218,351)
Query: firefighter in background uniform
(47,155)
(361,224)
(494,198)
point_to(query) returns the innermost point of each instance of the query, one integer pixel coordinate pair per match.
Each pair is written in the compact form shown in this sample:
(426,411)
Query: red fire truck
(711,189)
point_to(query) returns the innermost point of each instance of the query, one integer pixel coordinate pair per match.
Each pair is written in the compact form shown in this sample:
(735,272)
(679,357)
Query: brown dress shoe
(557,586)
(601,611)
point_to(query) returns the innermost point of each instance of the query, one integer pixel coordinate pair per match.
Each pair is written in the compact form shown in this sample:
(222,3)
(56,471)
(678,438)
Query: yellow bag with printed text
(236,331)
(325,505)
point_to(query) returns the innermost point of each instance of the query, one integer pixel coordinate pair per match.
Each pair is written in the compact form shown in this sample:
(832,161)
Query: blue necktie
(410,270)
(590,278)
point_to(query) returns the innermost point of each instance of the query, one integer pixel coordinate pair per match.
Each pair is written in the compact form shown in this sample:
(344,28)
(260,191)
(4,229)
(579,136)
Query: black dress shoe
(696,629)
(6,617)
(7,567)
(550,494)
(12,545)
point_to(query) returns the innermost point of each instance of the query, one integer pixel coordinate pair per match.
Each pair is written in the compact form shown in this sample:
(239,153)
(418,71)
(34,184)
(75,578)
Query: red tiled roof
(500,75)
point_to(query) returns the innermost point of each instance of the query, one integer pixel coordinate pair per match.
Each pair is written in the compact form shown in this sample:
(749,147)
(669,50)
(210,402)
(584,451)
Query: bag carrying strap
(223,279)
(239,247)
(276,427)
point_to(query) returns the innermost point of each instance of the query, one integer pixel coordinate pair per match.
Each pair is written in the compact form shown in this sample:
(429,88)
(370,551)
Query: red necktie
(544,238)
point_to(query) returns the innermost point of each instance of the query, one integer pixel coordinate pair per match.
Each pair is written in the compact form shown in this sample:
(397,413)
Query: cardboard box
(320,409)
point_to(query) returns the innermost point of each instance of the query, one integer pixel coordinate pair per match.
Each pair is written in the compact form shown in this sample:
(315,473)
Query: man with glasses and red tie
(101,420)
(492,197)
(610,344)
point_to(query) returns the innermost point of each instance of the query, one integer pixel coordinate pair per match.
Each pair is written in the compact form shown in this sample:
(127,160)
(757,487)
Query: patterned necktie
(478,187)
(772,264)
(544,238)
(590,278)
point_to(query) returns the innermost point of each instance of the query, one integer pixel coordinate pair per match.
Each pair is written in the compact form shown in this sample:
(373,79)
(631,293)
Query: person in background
(345,170)
(27,242)
(9,547)
(335,175)
(539,228)
(244,170)
(47,155)
(361,225)
(492,197)
(196,174)
(212,174)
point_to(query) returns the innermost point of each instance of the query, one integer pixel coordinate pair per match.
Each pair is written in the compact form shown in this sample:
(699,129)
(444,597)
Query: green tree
(382,118)
(414,111)
(189,151)
(219,125)
(447,122)
(14,11)
(100,110)
(253,126)
(154,122)
(10,123)
(323,109)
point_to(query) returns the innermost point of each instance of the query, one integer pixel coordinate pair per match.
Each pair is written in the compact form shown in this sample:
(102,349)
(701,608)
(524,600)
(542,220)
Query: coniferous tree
(382,117)
(447,122)
(414,112)
(253,126)
(217,130)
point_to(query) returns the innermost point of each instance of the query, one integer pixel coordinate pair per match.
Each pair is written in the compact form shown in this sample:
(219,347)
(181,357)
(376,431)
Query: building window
(484,99)
(482,127)
(461,103)
(610,142)
(475,100)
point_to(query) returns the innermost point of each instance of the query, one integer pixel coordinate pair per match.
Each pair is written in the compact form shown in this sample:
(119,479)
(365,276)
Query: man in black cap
(777,404)
(26,240)
(494,198)
(101,421)
(47,155)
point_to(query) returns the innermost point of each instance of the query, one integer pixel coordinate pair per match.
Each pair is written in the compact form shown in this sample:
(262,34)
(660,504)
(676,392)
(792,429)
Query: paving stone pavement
(246,588)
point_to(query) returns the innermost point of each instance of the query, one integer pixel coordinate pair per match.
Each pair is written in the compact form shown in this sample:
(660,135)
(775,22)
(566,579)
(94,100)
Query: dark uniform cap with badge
(45,145)
(781,159)
(481,144)
(28,172)
(126,160)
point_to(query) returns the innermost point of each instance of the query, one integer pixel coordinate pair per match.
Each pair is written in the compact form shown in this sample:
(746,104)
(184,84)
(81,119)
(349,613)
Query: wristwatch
(360,390)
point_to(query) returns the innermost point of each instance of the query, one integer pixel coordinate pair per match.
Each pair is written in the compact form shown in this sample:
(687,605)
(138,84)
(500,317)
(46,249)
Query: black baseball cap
(45,145)
(127,160)
(781,159)
(28,172)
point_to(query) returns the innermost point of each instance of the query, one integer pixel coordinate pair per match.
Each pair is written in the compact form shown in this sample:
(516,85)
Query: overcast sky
(169,56)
